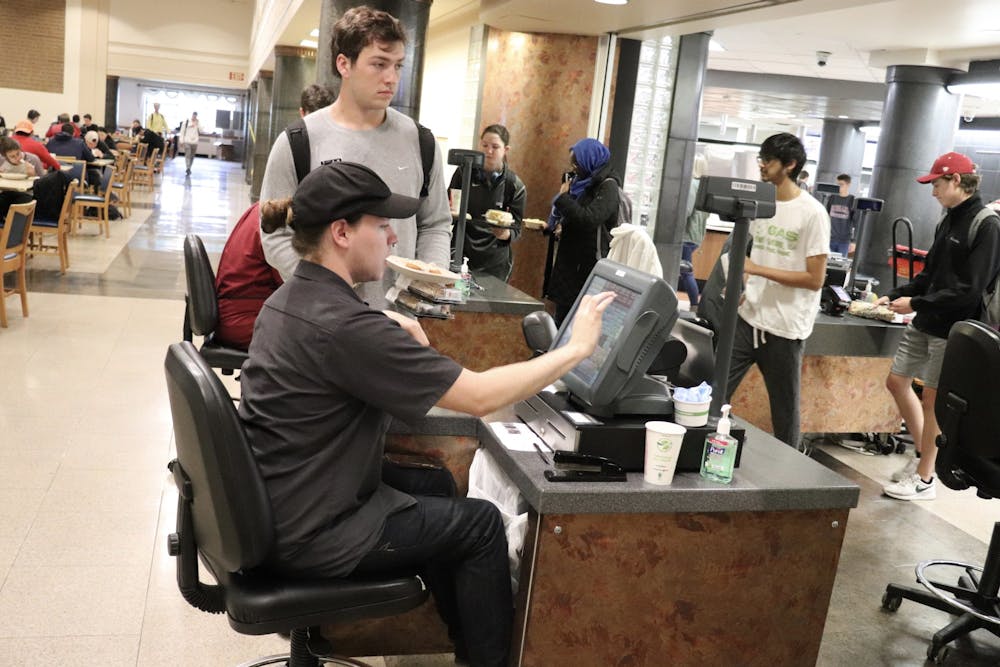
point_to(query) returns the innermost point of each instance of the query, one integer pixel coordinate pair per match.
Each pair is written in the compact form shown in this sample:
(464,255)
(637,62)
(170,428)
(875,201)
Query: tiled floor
(86,502)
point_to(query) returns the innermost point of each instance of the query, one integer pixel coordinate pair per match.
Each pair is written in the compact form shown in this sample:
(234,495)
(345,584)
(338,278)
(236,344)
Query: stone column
(919,122)
(413,14)
(262,128)
(682,139)
(111,103)
(841,151)
(294,69)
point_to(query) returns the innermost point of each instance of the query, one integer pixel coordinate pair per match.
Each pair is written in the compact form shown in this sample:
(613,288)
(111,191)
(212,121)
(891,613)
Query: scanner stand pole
(463,208)
(734,289)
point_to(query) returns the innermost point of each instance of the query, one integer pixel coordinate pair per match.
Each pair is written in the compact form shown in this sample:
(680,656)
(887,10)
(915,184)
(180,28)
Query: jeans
(687,281)
(458,547)
(189,151)
(780,362)
(840,246)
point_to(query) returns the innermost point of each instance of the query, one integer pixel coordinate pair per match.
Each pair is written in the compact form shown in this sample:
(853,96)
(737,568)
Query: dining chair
(142,173)
(77,171)
(41,227)
(13,246)
(100,203)
(121,186)
(140,152)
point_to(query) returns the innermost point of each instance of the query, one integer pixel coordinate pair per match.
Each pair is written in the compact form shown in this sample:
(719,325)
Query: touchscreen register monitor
(634,328)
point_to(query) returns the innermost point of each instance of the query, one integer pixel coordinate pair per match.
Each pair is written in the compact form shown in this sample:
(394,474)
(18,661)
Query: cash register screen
(634,327)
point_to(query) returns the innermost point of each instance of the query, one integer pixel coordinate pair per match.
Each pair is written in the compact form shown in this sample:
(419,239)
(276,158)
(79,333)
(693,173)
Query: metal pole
(734,288)
(463,208)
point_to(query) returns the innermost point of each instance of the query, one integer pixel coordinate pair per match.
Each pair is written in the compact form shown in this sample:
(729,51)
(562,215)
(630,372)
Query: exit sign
(236,76)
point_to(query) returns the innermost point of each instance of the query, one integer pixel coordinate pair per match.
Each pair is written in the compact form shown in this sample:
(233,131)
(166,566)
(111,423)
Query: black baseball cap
(344,189)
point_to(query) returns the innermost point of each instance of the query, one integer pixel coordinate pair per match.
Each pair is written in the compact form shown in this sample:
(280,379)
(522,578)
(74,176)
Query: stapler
(575,467)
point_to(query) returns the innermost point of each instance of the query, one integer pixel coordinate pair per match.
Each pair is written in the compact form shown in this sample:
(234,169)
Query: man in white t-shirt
(784,274)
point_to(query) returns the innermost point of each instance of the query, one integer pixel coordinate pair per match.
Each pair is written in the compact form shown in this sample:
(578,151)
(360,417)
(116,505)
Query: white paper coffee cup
(663,447)
(456,200)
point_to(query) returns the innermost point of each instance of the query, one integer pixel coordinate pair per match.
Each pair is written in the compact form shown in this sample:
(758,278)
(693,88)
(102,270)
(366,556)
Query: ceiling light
(612,2)
(842,117)
(314,33)
(309,43)
(715,46)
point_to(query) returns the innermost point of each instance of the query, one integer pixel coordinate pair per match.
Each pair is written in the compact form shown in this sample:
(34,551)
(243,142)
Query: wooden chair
(13,249)
(142,174)
(101,202)
(59,228)
(121,185)
(77,172)
(140,152)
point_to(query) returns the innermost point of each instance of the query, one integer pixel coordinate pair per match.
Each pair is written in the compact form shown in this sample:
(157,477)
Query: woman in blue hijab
(583,214)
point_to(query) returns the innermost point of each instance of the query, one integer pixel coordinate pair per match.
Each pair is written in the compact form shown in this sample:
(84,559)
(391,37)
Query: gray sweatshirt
(392,151)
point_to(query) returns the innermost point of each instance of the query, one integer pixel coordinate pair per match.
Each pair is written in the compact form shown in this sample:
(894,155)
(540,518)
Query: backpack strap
(427,141)
(298,141)
(984,213)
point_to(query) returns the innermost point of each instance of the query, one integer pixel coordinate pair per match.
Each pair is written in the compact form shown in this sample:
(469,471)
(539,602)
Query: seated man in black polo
(326,375)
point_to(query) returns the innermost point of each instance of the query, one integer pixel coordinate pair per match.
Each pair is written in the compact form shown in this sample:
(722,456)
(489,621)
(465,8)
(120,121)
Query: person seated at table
(23,132)
(326,374)
(494,186)
(14,162)
(65,144)
(62,120)
(105,142)
(154,140)
(88,124)
(33,116)
(91,139)
(136,129)
(243,282)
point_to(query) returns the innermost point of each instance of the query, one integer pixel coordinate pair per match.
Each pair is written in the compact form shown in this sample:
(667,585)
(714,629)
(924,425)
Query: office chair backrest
(233,522)
(203,302)
(967,408)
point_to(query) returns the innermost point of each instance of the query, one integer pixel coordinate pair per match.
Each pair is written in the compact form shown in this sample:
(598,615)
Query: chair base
(284,659)
(973,598)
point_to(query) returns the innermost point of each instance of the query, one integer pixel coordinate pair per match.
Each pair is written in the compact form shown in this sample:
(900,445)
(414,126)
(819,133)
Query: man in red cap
(22,135)
(948,290)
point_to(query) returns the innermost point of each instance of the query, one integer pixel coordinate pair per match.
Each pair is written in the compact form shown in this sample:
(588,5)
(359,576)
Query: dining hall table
(16,185)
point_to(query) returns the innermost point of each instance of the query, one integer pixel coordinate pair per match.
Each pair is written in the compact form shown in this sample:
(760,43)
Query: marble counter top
(771,477)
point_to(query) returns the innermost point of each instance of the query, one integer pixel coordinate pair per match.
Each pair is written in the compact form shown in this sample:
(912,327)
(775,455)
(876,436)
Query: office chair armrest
(210,598)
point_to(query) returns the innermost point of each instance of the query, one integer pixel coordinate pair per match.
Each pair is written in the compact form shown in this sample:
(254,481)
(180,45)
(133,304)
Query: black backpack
(298,141)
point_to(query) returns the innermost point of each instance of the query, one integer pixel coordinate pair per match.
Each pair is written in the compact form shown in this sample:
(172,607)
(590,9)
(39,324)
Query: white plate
(15,177)
(398,264)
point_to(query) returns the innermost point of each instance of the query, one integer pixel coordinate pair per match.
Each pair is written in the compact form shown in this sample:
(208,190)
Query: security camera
(822,57)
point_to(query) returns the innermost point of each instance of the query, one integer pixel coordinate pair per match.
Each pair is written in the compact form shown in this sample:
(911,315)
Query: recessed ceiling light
(314,33)
(309,43)
(715,46)
(842,117)
(612,2)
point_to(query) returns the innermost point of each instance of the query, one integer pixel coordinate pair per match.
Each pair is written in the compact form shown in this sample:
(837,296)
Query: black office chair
(224,518)
(967,404)
(201,313)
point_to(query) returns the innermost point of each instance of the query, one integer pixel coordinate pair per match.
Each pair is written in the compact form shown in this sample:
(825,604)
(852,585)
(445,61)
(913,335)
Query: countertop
(772,477)
(850,336)
(497,297)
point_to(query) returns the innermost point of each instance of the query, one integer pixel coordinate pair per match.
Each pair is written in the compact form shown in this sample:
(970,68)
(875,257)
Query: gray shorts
(919,355)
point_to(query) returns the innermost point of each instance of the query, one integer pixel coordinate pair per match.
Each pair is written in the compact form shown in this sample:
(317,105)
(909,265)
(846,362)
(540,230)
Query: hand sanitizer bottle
(719,456)
(466,282)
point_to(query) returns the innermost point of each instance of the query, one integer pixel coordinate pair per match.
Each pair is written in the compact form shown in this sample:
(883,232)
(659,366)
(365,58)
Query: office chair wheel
(891,602)
(937,653)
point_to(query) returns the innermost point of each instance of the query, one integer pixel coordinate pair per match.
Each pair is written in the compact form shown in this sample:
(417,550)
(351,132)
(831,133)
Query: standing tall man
(785,270)
(948,290)
(189,137)
(156,122)
(369,49)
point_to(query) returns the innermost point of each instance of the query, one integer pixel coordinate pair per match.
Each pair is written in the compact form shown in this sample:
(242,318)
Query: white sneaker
(912,488)
(906,471)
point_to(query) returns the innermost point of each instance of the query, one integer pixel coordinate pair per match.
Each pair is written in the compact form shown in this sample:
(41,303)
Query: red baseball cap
(948,164)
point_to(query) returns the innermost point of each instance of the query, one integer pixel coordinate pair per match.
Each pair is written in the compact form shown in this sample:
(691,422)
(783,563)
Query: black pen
(541,454)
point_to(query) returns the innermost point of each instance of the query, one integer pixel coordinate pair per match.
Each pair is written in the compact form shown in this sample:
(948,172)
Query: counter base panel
(839,395)
(723,588)
(479,341)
